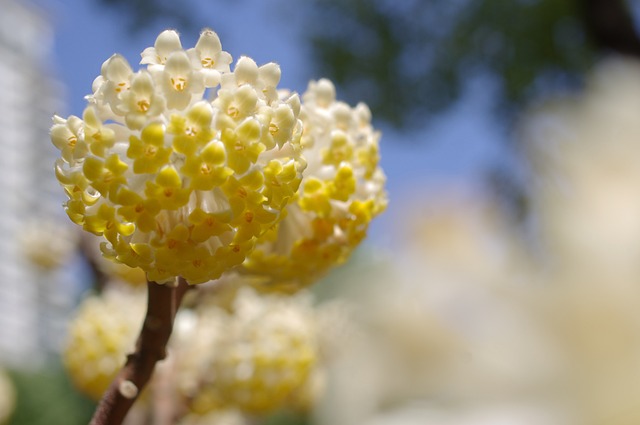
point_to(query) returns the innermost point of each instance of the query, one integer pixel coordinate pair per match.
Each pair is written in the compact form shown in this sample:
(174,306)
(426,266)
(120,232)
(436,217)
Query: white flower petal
(246,71)
(270,74)
(167,42)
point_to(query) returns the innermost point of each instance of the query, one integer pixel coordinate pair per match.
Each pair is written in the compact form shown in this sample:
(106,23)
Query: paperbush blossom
(46,244)
(257,358)
(183,164)
(341,192)
(100,337)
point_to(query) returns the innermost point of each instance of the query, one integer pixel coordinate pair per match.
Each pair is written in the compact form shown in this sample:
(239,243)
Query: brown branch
(162,306)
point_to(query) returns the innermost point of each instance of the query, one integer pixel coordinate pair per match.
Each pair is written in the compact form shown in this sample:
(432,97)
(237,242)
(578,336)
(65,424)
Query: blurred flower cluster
(235,355)
(484,318)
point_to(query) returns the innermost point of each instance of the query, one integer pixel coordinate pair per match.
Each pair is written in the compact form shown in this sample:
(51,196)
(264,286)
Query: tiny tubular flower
(209,56)
(264,78)
(180,81)
(65,135)
(141,102)
(166,43)
(341,192)
(116,72)
(179,185)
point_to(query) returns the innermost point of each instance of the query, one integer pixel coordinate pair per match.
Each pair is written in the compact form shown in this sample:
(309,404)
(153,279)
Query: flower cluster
(262,353)
(181,165)
(257,358)
(190,169)
(341,191)
(100,337)
(46,244)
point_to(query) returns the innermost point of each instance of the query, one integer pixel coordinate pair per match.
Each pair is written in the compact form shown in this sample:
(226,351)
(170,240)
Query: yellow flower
(141,101)
(341,192)
(100,337)
(179,184)
(255,358)
(65,136)
(208,55)
(167,42)
(46,243)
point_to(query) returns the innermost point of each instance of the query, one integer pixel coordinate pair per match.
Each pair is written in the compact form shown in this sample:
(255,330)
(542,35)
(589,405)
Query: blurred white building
(28,190)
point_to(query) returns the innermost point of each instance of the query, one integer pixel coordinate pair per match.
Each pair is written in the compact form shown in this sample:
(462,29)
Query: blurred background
(501,286)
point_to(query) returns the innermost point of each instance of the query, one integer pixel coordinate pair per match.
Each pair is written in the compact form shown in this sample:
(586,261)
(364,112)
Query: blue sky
(455,147)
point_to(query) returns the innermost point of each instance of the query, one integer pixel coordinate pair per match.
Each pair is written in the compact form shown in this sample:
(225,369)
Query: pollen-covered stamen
(143,105)
(179,83)
(205,169)
(207,62)
(150,151)
(97,136)
(233,111)
(273,128)
(121,86)
(107,177)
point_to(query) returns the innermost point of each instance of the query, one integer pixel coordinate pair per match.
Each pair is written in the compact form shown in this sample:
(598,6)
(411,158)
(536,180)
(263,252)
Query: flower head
(100,338)
(256,358)
(341,192)
(46,244)
(179,184)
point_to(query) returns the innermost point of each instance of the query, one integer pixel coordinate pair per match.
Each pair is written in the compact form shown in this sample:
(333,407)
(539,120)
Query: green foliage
(286,418)
(412,58)
(46,397)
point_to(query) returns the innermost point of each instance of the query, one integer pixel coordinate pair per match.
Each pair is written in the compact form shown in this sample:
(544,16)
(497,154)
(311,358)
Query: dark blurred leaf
(46,397)
(413,59)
